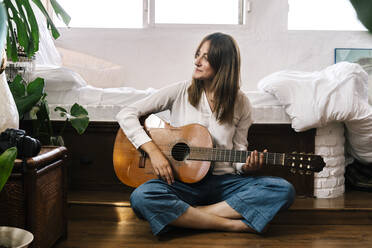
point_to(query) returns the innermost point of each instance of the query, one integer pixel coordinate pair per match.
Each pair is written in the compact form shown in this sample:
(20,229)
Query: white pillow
(57,79)
(313,99)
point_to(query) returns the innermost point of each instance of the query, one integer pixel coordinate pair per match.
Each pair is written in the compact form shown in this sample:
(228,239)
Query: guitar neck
(235,156)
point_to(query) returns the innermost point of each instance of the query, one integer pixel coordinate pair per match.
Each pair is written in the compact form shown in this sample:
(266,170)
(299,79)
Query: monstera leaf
(23,30)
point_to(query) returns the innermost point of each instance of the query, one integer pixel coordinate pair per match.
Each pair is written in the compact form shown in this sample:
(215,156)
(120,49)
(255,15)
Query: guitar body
(189,150)
(133,167)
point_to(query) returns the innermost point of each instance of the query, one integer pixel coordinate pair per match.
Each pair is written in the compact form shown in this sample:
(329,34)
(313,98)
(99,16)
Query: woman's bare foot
(221,209)
(240,226)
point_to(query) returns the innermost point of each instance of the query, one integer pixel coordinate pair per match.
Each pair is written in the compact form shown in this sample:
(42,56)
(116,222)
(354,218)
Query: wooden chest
(35,197)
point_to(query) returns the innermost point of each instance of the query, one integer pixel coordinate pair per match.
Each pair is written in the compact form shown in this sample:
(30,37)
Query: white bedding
(336,94)
(65,87)
(104,104)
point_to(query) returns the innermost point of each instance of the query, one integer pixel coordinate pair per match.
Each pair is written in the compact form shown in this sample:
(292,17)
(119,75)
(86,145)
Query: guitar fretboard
(237,156)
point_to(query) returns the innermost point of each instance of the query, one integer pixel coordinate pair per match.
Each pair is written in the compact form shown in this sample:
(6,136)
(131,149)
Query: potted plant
(11,236)
(23,38)
(33,100)
(19,30)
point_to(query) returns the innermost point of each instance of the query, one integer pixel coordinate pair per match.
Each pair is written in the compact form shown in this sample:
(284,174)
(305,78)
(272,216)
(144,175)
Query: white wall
(155,57)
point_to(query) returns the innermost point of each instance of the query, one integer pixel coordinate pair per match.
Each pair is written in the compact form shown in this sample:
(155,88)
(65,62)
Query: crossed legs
(219,216)
(246,204)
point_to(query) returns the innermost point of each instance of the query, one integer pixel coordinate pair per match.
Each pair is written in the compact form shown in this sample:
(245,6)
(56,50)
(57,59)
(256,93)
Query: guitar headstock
(304,162)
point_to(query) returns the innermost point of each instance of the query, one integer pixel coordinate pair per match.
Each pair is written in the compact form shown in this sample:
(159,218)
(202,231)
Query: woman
(228,199)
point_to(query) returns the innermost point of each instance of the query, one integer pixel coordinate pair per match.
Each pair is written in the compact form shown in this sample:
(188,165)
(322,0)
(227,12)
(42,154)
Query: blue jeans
(257,199)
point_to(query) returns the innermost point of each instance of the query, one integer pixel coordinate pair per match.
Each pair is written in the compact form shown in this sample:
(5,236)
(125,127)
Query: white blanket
(337,93)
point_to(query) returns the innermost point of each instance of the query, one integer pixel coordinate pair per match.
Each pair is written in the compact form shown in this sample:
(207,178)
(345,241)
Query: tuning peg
(308,173)
(293,170)
(301,172)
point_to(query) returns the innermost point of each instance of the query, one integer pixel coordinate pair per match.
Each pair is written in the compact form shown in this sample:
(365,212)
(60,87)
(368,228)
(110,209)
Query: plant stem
(50,127)
(63,128)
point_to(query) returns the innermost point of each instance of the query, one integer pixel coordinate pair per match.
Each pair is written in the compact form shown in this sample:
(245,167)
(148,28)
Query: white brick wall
(329,143)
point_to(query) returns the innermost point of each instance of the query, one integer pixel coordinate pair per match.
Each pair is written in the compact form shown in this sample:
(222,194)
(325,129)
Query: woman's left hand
(254,162)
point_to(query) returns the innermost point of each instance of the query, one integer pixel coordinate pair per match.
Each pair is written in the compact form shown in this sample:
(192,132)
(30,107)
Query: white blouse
(175,99)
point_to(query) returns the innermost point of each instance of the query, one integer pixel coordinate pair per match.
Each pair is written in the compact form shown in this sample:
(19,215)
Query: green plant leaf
(78,110)
(363,9)
(36,87)
(6,165)
(25,102)
(42,126)
(27,32)
(22,33)
(43,113)
(55,32)
(80,124)
(60,12)
(79,119)
(11,46)
(17,88)
(34,41)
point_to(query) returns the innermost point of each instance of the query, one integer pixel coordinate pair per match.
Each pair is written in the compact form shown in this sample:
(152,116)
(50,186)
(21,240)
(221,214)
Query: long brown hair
(224,58)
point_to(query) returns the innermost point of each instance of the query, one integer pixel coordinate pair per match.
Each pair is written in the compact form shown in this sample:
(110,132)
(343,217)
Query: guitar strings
(216,153)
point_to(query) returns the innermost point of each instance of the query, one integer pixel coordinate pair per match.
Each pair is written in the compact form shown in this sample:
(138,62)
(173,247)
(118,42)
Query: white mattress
(104,104)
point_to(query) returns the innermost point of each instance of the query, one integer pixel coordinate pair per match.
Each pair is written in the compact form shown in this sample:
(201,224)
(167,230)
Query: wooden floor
(105,219)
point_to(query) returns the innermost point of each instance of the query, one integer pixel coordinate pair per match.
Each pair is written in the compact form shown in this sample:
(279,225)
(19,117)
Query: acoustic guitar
(190,152)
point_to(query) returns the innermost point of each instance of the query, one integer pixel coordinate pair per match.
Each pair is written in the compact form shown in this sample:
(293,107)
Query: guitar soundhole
(180,151)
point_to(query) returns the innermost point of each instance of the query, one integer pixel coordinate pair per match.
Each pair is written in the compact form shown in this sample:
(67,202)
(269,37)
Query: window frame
(149,18)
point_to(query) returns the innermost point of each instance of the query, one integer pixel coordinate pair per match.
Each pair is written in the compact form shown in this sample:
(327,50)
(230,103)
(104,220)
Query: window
(140,13)
(322,15)
(103,14)
(198,11)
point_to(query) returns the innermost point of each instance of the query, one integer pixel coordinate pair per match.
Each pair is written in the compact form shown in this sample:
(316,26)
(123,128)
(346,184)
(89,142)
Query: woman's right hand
(159,162)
